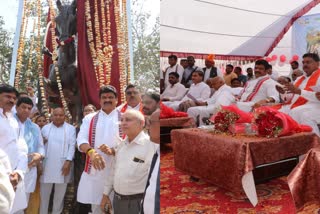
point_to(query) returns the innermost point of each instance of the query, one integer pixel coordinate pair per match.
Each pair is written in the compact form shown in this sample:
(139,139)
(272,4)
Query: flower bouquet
(272,123)
(229,115)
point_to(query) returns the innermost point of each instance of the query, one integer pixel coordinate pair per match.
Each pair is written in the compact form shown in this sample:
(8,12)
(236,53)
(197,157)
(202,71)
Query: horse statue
(67,64)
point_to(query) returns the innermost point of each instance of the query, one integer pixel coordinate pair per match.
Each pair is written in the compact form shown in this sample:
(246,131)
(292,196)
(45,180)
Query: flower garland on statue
(30,54)
(23,30)
(126,39)
(45,108)
(120,39)
(55,62)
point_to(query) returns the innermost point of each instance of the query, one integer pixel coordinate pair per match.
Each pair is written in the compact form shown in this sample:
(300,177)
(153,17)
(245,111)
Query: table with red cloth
(227,161)
(168,124)
(304,180)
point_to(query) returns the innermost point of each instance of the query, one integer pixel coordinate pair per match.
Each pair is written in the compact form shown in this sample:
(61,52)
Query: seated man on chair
(175,91)
(199,91)
(222,96)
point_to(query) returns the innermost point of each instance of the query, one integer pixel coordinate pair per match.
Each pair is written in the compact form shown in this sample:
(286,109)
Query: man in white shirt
(304,106)
(175,91)
(259,91)
(210,71)
(30,134)
(222,97)
(15,150)
(199,91)
(60,139)
(295,72)
(173,68)
(188,71)
(151,201)
(98,128)
(133,157)
(133,99)
(6,190)
(151,102)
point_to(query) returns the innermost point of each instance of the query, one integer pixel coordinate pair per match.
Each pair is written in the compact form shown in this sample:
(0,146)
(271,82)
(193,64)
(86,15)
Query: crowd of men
(120,144)
(201,91)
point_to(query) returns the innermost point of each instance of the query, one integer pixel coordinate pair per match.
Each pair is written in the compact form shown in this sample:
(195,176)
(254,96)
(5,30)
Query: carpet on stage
(180,194)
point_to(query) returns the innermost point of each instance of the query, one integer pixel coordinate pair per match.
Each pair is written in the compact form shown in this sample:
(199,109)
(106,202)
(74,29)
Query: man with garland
(97,129)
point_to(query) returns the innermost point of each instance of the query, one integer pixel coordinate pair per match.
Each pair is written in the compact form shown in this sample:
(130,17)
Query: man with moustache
(304,106)
(30,134)
(101,127)
(133,157)
(14,149)
(60,140)
(133,99)
(259,91)
(173,68)
(175,91)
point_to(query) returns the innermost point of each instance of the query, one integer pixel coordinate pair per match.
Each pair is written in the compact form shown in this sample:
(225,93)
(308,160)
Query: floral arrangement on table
(264,121)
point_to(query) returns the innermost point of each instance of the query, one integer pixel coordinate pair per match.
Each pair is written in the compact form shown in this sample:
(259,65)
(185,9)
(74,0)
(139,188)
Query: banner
(306,35)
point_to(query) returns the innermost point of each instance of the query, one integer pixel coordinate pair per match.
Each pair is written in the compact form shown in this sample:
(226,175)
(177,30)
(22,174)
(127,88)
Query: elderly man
(98,128)
(259,91)
(133,99)
(175,91)
(151,201)
(15,150)
(151,102)
(304,106)
(31,135)
(223,96)
(60,139)
(133,157)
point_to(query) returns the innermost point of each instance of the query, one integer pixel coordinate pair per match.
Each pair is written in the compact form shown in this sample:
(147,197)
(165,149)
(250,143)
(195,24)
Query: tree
(146,48)
(5,53)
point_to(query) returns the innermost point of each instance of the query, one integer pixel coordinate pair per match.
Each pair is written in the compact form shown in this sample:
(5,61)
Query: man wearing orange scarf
(304,106)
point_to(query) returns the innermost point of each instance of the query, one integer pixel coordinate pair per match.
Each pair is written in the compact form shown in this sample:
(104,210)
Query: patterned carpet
(179,194)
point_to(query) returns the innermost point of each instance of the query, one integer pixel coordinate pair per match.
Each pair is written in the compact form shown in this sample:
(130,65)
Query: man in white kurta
(105,130)
(133,158)
(222,97)
(173,68)
(304,106)
(15,150)
(259,91)
(133,99)
(30,134)
(175,90)
(60,138)
(198,91)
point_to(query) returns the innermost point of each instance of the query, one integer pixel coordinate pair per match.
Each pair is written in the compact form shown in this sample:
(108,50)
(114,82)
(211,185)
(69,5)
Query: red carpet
(181,195)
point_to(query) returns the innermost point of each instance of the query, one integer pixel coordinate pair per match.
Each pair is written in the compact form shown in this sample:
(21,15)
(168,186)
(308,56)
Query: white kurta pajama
(17,154)
(308,113)
(176,68)
(59,148)
(222,97)
(266,90)
(199,91)
(91,185)
(174,92)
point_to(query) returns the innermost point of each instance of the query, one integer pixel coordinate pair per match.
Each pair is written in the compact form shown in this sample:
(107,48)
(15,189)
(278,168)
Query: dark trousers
(126,205)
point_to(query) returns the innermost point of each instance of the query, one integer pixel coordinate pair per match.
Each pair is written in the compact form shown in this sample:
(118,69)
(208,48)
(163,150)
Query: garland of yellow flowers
(120,46)
(21,44)
(55,62)
(126,39)
(30,54)
(107,49)
(45,108)
(91,40)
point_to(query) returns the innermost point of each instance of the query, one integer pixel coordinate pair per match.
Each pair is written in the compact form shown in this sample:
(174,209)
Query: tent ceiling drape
(227,28)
